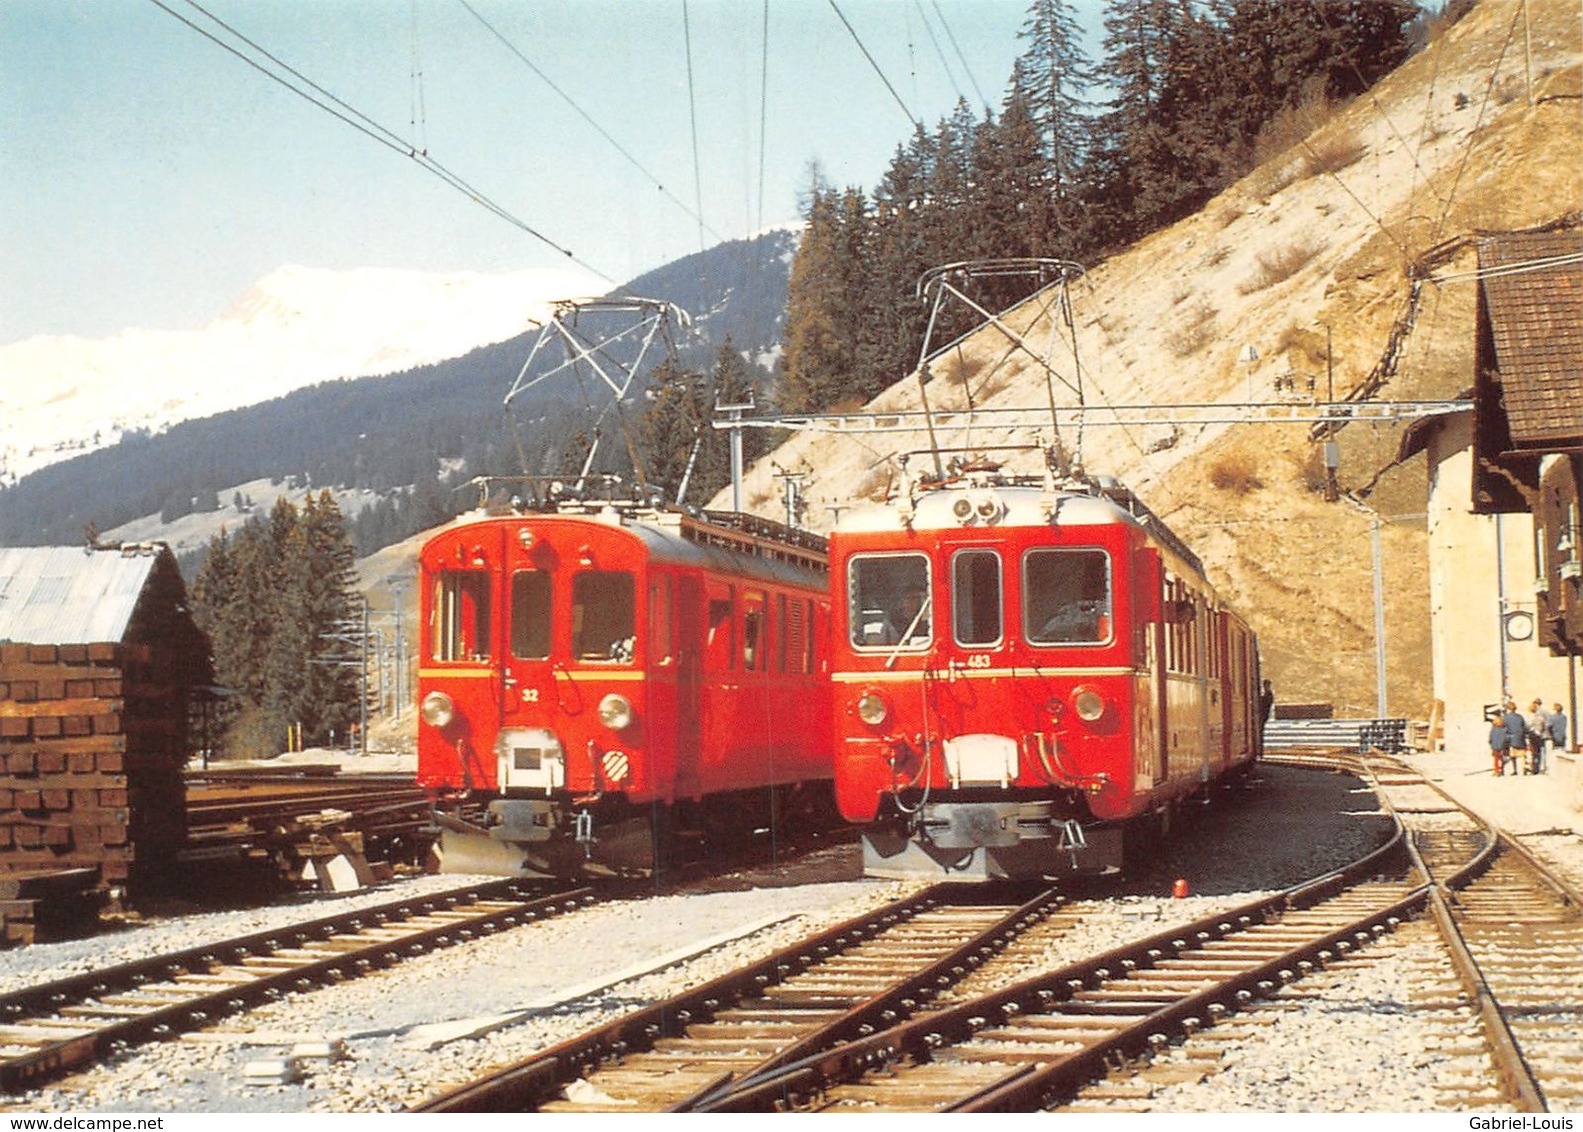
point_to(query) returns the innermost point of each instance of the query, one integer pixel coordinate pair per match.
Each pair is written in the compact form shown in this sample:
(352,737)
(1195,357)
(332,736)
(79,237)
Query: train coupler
(1072,839)
(583,832)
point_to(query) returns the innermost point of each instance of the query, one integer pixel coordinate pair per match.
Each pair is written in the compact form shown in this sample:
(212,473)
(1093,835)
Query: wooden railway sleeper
(924,1036)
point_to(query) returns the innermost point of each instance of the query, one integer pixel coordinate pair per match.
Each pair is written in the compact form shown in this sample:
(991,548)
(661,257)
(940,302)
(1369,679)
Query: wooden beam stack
(91,750)
(38,907)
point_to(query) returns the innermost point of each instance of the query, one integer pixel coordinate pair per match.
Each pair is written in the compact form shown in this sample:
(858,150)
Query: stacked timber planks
(38,907)
(91,746)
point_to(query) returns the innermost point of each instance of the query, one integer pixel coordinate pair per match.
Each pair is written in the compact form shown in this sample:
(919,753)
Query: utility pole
(734,423)
(397,584)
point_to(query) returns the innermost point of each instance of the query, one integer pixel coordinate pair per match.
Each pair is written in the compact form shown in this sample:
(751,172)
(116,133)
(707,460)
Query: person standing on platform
(1516,735)
(1557,724)
(1538,723)
(1500,743)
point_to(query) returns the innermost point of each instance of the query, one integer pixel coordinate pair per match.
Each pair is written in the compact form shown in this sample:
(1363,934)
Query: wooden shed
(99,662)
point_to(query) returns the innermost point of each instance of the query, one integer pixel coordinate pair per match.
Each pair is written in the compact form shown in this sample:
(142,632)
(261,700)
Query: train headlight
(437,709)
(873,709)
(1088,704)
(615,712)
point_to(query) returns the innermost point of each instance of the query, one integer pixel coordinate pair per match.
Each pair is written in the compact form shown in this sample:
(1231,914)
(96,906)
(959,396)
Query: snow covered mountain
(63,396)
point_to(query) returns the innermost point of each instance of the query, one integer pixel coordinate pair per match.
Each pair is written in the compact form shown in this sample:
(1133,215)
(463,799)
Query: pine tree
(1051,80)
(671,424)
(332,683)
(1131,155)
(821,322)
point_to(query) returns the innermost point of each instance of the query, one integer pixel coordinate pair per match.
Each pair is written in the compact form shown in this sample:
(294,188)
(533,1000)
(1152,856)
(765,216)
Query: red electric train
(602,682)
(1028,679)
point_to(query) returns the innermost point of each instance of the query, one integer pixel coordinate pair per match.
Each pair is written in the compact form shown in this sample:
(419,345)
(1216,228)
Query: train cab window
(459,620)
(975,597)
(603,616)
(530,614)
(1066,597)
(889,601)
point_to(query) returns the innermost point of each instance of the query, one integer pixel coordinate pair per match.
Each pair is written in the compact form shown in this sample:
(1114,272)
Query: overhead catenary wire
(587,117)
(1543,263)
(698,176)
(872,62)
(351,116)
(939,52)
(961,58)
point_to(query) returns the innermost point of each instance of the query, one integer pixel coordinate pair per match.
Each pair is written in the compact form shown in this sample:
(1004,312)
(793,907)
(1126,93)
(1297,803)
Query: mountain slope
(1312,261)
(393,431)
(296,327)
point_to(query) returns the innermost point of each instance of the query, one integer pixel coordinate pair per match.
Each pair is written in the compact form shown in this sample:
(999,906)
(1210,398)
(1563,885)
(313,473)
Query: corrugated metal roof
(1536,321)
(70,595)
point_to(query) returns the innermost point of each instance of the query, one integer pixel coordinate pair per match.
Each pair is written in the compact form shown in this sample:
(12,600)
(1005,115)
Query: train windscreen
(1066,598)
(604,616)
(889,600)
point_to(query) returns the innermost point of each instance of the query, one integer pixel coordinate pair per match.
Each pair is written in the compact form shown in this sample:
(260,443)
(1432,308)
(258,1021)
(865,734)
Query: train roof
(990,501)
(726,541)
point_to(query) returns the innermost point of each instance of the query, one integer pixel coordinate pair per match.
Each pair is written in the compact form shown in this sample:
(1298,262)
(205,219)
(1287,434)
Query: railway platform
(1520,804)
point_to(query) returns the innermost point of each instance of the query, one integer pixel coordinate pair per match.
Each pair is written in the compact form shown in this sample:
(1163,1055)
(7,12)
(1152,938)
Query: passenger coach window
(753,631)
(603,616)
(888,600)
(1066,597)
(459,623)
(719,651)
(975,597)
(530,614)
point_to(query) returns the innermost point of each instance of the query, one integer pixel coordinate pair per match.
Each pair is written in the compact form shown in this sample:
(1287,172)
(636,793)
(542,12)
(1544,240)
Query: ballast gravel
(1357,1047)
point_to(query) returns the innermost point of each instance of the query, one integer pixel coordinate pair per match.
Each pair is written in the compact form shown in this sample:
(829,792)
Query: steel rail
(1511,1064)
(1026,1086)
(528,1083)
(505,904)
(900,1001)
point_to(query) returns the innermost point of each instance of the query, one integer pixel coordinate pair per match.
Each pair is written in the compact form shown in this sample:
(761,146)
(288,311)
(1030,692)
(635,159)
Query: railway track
(53,1028)
(851,980)
(1492,937)
(1514,931)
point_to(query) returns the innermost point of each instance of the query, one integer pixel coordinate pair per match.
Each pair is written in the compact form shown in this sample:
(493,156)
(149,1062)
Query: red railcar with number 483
(1027,677)
(602,682)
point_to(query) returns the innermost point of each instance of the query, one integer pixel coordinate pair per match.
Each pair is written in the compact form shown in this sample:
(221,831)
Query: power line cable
(960,57)
(363,124)
(1467,147)
(872,63)
(764,98)
(602,132)
(698,176)
(939,52)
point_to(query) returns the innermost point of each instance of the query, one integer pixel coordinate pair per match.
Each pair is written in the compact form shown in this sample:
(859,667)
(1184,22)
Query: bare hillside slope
(1315,251)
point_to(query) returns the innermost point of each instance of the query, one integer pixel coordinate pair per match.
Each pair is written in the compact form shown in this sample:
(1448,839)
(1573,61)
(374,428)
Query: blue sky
(148,177)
